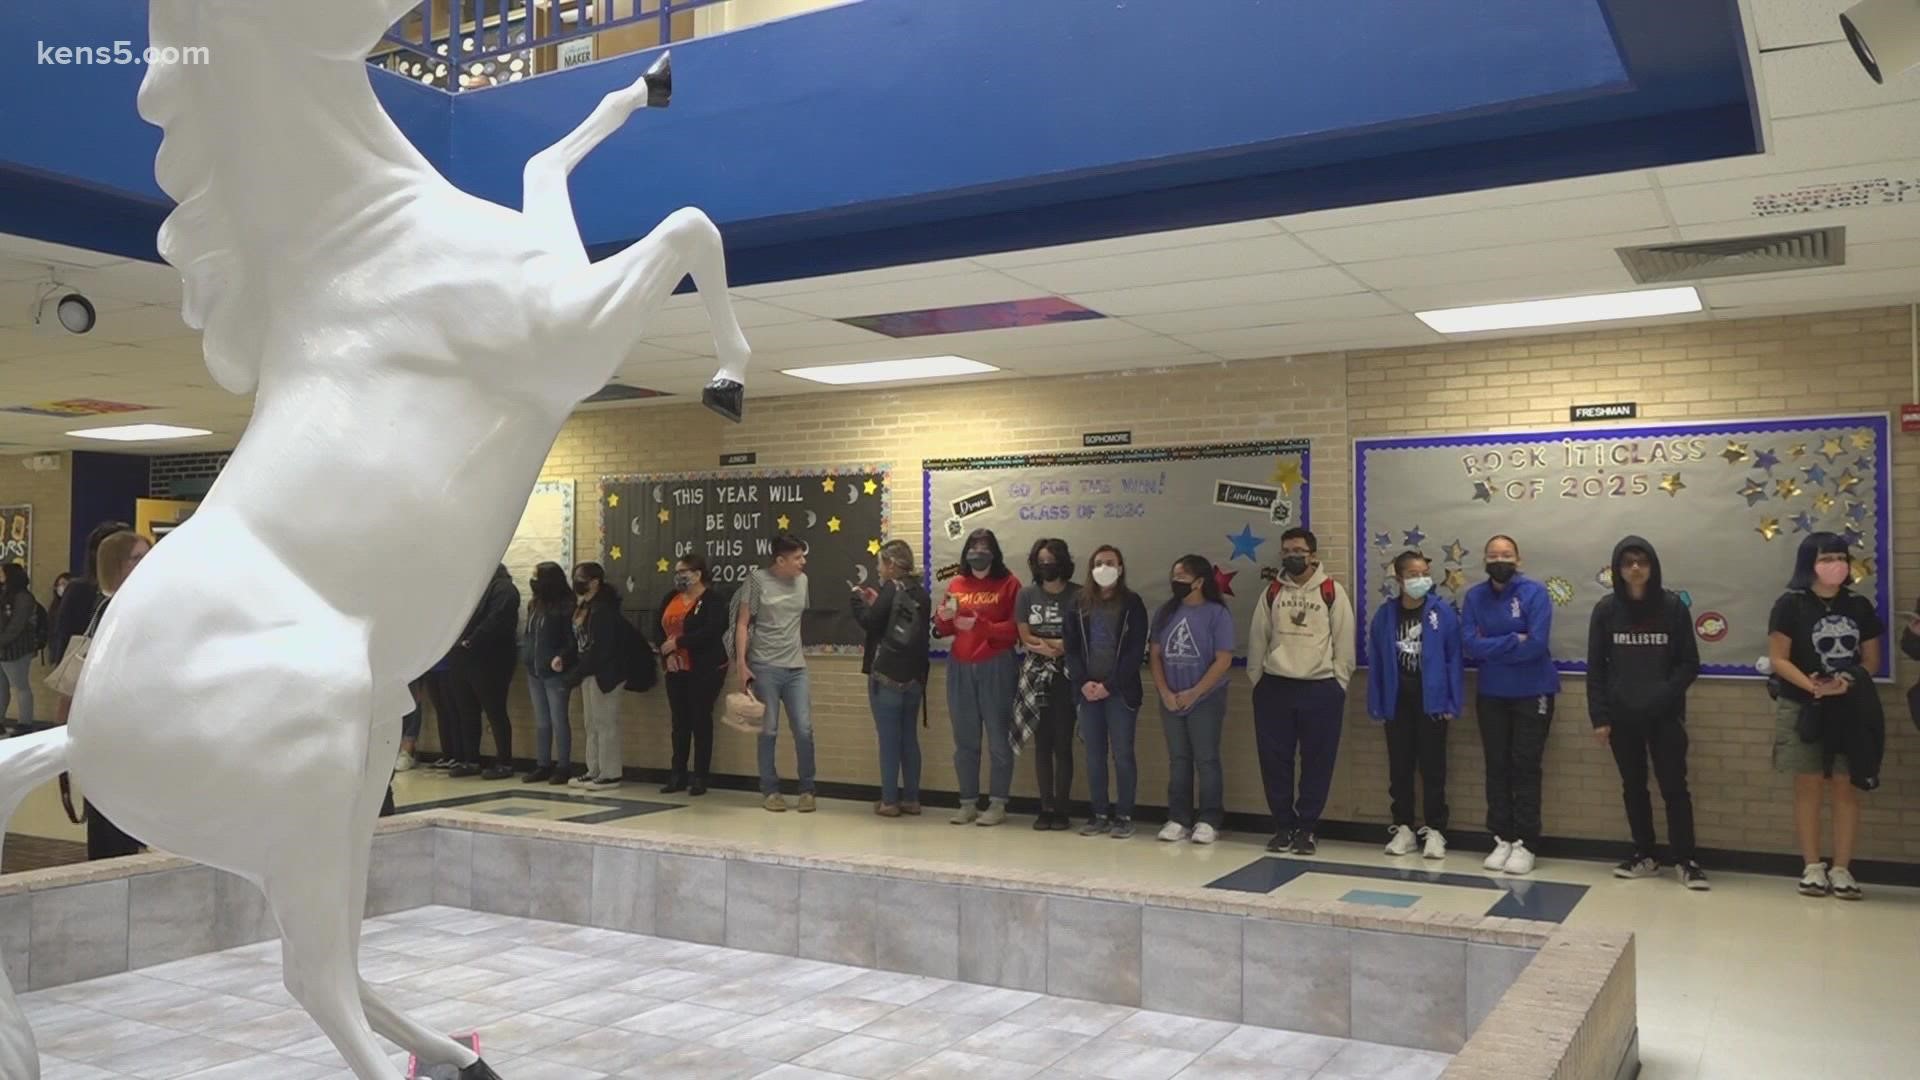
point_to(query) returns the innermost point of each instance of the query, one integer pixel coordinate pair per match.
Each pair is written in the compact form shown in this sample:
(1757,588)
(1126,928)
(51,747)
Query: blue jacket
(1492,625)
(1442,673)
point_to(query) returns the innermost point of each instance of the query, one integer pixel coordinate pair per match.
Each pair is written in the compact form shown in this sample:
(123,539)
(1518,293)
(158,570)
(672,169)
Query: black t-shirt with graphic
(1827,635)
(1407,647)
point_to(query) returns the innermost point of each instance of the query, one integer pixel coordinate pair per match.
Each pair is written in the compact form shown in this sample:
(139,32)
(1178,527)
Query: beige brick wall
(1835,362)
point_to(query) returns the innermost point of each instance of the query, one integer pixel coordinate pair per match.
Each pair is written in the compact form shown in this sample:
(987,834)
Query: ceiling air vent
(1771,254)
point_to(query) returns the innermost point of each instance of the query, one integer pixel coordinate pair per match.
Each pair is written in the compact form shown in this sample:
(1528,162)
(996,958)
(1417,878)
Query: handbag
(64,679)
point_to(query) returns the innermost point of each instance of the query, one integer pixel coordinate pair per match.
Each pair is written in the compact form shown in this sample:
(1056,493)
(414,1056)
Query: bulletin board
(16,535)
(545,532)
(1725,504)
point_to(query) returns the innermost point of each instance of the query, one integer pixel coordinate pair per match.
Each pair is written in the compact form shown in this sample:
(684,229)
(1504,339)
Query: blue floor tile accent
(1382,899)
(1522,898)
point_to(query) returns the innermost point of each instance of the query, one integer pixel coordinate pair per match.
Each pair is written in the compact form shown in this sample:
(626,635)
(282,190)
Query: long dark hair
(1062,557)
(552,592)
(1120,591)
(978,536)
(1201,568)
(1814,546)
(16,581)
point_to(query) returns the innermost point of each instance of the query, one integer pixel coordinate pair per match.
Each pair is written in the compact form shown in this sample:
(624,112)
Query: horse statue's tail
(25,763)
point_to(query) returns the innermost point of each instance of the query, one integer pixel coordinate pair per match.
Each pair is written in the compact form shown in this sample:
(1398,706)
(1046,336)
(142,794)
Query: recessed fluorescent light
(926,367)
(1600,307)
(139,433)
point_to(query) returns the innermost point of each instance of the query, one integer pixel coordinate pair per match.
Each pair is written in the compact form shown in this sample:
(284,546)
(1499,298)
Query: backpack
(1326,592)
(39,634)
(637,659)
(901,653)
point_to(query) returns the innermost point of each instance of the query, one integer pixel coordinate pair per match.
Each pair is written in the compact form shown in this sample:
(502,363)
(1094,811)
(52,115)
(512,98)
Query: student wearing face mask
(1507,622)
(977,613)
(597,632)
(693,630)
(1044,703)
(1191,656)
(1824,641)
(1416,683)
(1106,645)
(1300,656)
(896,664)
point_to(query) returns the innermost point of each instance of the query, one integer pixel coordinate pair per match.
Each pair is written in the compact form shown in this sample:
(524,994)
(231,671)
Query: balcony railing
(460,45)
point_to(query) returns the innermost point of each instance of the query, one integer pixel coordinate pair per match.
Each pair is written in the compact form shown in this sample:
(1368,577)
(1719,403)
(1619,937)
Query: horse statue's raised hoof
(726,397)
(659,79)
(479,1070)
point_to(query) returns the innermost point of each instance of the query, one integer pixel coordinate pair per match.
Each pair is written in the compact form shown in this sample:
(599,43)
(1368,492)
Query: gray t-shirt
(1043,612)
(775,605)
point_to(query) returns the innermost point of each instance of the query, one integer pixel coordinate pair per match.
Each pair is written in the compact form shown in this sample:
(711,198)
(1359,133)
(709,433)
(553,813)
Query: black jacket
(1854,724)
(1641,657)
(16,626)
(549,635)
(1132,651)
(76,613)
(875,618)
(705,632)
(490,633)
(597,637)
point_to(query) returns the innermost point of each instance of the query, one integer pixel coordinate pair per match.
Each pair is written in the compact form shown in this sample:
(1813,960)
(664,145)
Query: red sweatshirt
(991,603)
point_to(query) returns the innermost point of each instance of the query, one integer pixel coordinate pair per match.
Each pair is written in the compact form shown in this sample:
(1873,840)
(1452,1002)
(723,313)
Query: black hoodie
(1641,656)
(490,633)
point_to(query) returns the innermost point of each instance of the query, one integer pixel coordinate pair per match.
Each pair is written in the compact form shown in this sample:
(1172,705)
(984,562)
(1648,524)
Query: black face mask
(980,560)
(1181,589)
(1294,565)
(581,588)
(1502,572)
(1049,572)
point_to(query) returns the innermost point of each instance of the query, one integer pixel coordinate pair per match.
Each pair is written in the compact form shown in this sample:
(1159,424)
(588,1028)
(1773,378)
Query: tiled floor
(555,1002)
(1748,982)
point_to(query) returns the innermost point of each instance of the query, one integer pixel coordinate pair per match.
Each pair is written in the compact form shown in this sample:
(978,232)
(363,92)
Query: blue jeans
(896,713)
(551,729)
(1193,747)
(1107,726)
(16,677)
(778,686)
(980,704)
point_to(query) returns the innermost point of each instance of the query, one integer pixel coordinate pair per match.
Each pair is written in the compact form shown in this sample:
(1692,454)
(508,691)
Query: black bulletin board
(730,517)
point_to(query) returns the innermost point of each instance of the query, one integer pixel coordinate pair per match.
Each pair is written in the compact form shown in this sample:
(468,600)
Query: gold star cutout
(1863,441)
(1735,453)
(1822,503)
(871,487)
(663,515)
(873,547)
(827,484)
(662,566)
(1862,570)
(1847,482)
(613,499)
(1831,448)
(1454,581)
(833,524)
(1671,484)
(1768,528)
(784,522)
(1287,474)
(1786,488)
(616,554)
(1799,450)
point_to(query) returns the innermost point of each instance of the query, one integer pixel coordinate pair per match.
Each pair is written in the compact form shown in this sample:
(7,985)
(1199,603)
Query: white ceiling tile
(1064,363)
(139,282)
(1870,225)
(861,278)
(1732,200)
(1123,245)
(1276,313)
(1543,286)
(1225,292)
(1815,285)
(39,252)
(1586,253)
(1231,258)
(1823,79)
(1783,24)
(1468,201)
(887,297)
(1149,349)
(1883,256)
(794,335)
(1806,143)
(1599,215)
(1277,340)
(1738,310)
(148,322)
(688,315)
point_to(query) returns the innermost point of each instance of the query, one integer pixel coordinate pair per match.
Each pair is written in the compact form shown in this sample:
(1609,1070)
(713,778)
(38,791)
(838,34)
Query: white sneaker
(1402,842)
(1814,880)
(1520,861)
(403,763)
(580,781)
(1204,833)
(1844,886)
(1436,844)
(1502,851)
(1173,832)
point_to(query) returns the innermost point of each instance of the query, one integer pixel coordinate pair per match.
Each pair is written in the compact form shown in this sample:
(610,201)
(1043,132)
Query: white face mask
(1105,576)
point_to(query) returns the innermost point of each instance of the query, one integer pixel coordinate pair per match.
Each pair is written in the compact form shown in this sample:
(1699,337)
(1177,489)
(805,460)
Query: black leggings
(1053,747)
(691,696)
(480,685)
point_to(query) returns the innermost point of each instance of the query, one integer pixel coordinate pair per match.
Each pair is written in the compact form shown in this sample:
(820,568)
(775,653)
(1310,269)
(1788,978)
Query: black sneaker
(1061,823)
(443,763)
(1122,828)
(498,772)
(1303,843)
(1044,822)
(1281,841)
(461,772)
(675,784)
(1638,866)
(1693,877)
(1098,826)
(698,787)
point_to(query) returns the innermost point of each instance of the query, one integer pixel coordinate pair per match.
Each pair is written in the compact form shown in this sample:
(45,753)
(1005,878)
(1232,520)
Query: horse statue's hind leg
(614,289)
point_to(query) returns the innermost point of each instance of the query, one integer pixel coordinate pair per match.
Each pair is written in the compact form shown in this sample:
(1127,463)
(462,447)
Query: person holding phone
(977,614)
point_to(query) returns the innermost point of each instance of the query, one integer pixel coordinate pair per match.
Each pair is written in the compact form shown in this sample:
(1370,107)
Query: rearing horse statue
(413,352)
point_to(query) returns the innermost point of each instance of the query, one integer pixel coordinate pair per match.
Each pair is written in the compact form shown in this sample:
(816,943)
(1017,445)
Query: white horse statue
(413,352)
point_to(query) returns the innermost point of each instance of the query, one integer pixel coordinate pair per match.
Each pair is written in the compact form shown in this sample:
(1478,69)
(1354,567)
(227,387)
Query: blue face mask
(1418,587)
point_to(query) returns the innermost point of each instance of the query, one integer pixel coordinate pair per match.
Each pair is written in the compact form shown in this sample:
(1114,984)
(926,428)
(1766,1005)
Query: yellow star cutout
(663,515)
(663,566)
(1863,440)
(1735,453)
(827,484)
(871,487)
(1862,568)
(1454,581)
(613,499)
(1768,528)
(1822,503)
(1831,449)
(1847,482)
(783,521)
(1671,484)
(1799,450)
(1287,474)
(1786,488)
(617,555)
(833,524)
(873,547)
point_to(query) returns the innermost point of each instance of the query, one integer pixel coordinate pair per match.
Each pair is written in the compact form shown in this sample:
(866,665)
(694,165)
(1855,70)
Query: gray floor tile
(864,1056)
(177,1057)
(773,1039)
(1027,1045)
(1118,1059)
(925,1027)
(957,1065)
(1370,1061)
(258,1066)
(1175,1032)
(698,1062)
(991,1002)
(1283,1049)
(602,1008)
(1080,1017)
(684,1020)
(843,1014)
(800,1072)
